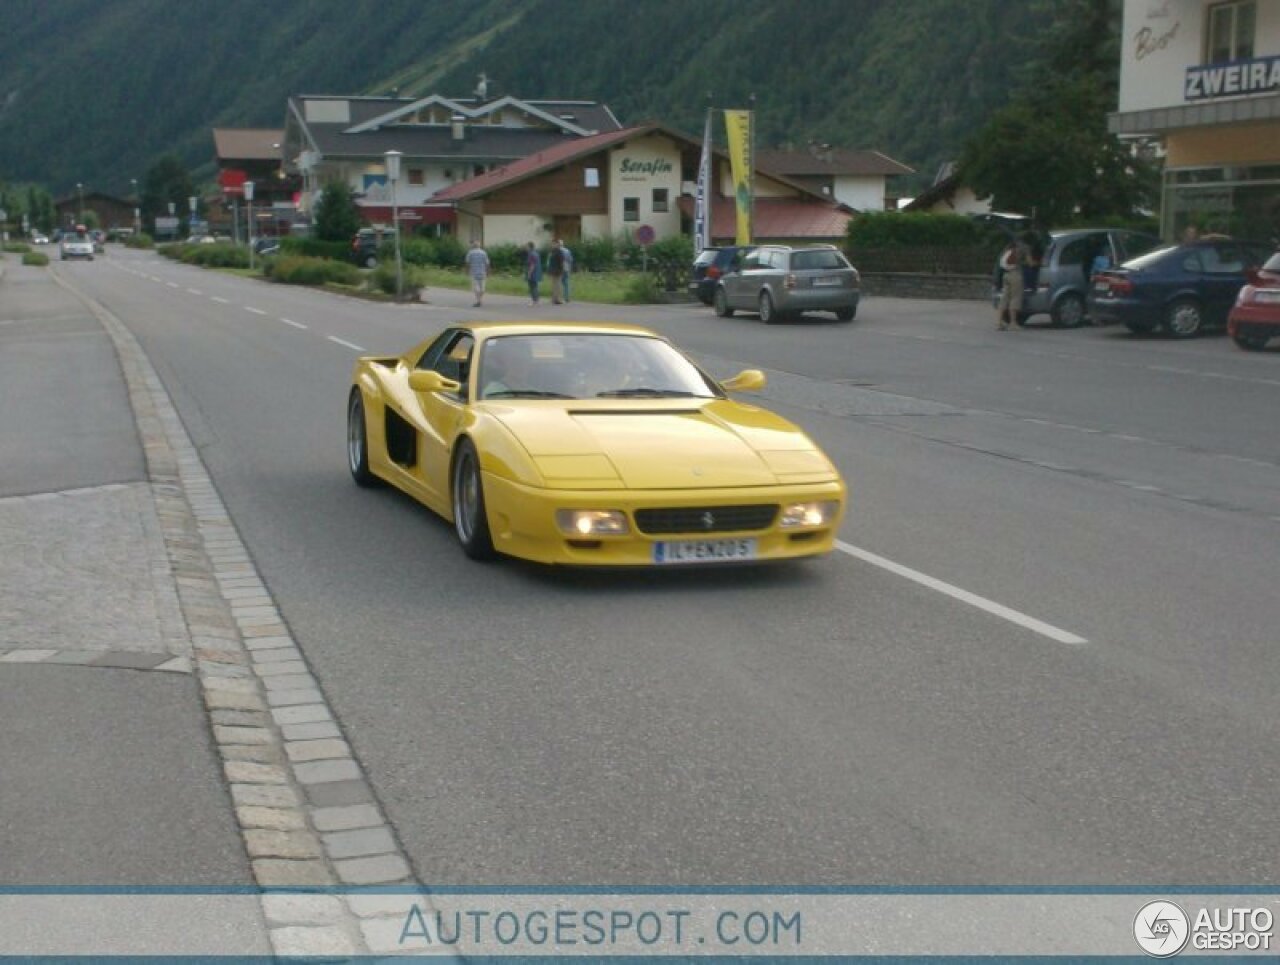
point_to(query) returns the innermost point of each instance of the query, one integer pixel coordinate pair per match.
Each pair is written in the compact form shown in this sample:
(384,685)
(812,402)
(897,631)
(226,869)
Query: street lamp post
(191,203)
(137,208)
(248,200)
(80,203)
(393,175)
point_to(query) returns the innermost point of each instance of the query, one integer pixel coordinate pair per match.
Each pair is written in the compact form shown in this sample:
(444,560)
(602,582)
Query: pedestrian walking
(568,269)
(1010,304)
(532,272)
(555,270)
(477,260)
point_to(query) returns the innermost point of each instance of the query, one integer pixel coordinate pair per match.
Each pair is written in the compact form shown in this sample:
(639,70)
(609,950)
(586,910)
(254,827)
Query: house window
(630,209)
(659,199)
(415,176)
(477,170)
(1230,33)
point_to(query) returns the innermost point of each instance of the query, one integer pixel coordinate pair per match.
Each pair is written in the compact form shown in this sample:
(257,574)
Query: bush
(642,290)
(139,241)
(37,258)
(315,248)
(507,258)
(912,229)
(220,255)
(17,247)
(300,270)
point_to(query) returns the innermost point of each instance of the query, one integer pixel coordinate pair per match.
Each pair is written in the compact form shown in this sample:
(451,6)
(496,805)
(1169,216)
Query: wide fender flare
(501,453)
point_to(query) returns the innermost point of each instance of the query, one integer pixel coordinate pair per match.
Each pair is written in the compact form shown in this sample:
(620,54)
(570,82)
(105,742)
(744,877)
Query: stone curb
(306,812)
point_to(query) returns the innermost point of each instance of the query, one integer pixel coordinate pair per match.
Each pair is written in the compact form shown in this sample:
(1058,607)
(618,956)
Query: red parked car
(1255,317)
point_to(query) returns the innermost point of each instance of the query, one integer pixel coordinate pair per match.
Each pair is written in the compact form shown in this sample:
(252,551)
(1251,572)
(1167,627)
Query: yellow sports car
(589,444)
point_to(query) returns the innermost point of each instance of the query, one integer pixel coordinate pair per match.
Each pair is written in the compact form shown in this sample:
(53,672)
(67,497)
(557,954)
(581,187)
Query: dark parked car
(365,244)
(779,281)
(1066,266)
(1255,318)
(709,267)
(1182,289)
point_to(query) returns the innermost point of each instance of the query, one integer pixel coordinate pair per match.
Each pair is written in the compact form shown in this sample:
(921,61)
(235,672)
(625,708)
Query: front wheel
(469,519)
(358,441)
(768,314)
(722,304)
(1184,318)
(1068,311)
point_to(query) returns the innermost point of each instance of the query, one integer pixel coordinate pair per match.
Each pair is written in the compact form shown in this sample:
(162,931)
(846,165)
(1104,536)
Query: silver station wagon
(778,282)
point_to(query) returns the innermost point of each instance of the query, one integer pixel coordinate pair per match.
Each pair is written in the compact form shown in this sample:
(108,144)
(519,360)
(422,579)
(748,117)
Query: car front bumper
(522,523)
(1254,320)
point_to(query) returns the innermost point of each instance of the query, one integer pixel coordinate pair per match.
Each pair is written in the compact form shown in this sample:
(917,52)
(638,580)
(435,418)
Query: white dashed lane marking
(221,301)
(194,291)
(256,311)
(345,343)
(964,596)
(289,321)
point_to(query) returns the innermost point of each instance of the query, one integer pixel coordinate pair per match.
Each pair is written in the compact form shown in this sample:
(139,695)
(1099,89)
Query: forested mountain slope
(96,90)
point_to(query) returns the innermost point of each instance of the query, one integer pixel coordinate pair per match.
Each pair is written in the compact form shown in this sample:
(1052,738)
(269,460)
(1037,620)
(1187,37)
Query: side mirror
(748,380)
(426,380)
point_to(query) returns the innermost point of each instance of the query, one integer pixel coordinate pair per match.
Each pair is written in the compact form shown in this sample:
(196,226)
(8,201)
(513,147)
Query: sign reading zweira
(737,126)
(1231,80)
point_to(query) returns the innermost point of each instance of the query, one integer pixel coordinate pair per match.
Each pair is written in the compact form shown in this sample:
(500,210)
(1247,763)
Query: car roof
(534,327)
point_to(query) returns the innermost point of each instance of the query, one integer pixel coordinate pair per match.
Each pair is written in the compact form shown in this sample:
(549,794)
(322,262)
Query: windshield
(587,366)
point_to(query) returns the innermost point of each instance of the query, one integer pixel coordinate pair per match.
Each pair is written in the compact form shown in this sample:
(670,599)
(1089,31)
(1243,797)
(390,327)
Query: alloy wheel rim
(467,486)
(355,434)
(1186,320)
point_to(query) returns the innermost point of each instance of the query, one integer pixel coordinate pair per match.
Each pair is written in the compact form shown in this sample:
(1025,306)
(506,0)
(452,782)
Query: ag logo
(1161,928)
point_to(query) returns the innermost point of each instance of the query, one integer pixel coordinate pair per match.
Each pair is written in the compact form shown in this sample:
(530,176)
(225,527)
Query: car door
(1223,266)
(737,284)
(438,415)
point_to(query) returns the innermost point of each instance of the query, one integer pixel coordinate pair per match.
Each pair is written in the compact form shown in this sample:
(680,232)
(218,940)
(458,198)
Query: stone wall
(904,284)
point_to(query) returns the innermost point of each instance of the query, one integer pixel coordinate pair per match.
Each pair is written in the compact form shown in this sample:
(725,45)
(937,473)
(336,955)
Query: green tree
(166,182)
(337,217)
(1049,153)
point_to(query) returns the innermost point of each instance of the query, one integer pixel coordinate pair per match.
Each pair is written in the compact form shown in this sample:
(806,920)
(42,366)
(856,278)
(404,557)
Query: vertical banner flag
(737,126)
(702,197)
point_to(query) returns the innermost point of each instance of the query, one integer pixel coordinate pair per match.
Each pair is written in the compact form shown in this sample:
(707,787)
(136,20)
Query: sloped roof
(370,127)
(829,161)
(247,143)
(561,153)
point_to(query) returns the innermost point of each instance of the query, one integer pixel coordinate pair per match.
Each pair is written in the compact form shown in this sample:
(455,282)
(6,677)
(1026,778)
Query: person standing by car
(1010,304)
(532,272)
(568,269)
(477,260)
(555,268)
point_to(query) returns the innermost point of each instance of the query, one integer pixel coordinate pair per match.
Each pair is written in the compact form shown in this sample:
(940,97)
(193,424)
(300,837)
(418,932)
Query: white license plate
(1265,295)
(704,551)
(828,280)
(1101,286)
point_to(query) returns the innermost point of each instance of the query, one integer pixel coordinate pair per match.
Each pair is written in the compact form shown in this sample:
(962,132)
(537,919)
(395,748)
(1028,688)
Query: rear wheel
(1251,343)
(846,314)
(358,441)
(1184,318)
(1068,311)
(469,519)
(722,304)
(768,314)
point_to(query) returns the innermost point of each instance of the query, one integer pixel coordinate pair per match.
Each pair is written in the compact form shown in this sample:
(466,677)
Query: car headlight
(809,514)
(592,522)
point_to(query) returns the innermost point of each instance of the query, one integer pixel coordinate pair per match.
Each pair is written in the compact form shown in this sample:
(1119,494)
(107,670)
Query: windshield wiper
(641,392)
(526,394)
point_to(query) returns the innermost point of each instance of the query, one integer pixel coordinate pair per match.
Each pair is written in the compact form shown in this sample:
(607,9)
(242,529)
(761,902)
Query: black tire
(768,314)
(1251,343)
(470,521)
(358,441)
(1184,318)
(721,302)
(1068,311)
(846,314)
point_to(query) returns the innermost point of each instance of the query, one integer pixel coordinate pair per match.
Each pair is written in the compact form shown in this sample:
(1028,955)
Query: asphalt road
(1072,681)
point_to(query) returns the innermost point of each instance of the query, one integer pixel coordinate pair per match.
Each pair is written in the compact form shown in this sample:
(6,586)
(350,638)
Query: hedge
(300,270)
(37,258)
(914,229)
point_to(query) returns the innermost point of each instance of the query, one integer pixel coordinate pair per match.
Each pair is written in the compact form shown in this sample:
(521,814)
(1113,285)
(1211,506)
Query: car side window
(1073,251)
(751,261)
(455,361)
(1222,260)
(1192,264)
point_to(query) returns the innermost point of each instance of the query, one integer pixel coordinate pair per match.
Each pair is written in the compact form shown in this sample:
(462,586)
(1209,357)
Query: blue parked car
(1182,289)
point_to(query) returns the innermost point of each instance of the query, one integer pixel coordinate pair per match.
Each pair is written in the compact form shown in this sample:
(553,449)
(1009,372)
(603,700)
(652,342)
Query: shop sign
(631,169)
(1231,80)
